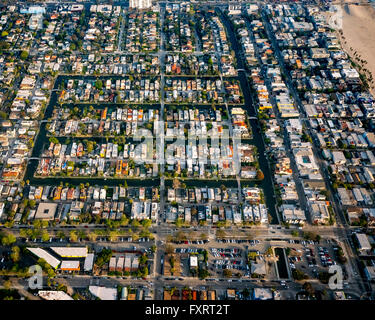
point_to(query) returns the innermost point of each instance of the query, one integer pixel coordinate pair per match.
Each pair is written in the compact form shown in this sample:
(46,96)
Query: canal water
(281,263)
(267,183)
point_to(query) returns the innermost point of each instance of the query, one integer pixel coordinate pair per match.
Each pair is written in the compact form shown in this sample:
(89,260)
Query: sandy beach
(359,34)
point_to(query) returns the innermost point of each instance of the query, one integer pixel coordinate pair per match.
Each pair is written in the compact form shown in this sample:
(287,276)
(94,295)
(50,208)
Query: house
(338,158)
(112,264)
(248,172)
(354,214)
(319,53)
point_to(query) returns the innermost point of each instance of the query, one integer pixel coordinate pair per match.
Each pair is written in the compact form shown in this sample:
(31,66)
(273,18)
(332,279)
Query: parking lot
(229,254)
(227,258)
(311,257)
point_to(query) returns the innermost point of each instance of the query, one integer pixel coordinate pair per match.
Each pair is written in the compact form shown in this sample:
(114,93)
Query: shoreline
(358,36)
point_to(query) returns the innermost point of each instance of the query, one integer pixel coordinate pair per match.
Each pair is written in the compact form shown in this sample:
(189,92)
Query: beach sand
(359,34)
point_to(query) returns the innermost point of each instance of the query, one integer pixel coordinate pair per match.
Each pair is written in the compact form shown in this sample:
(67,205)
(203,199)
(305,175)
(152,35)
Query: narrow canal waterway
(258,141)
(281,263)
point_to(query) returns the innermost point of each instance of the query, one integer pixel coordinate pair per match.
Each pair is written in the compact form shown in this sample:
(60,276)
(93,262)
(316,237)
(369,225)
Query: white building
(104,293)
(140,4)
(363,242)
(54,295)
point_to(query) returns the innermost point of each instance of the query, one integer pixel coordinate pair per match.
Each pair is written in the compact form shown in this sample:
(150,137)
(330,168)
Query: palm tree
(61,235)
(92,236)
(82,234)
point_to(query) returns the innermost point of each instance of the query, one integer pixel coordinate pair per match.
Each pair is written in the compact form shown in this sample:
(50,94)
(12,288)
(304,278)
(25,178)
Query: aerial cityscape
(187,150)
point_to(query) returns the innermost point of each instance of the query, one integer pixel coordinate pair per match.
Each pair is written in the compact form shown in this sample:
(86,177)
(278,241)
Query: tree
(90,146)
(112,236)
(82,234)
(37,224)
(15,255)
(99,84)
(51,273)
(146,223)
(3,115)
(8,240)
(324,277)
(203,273)
(299,275)
(135,223)
(23,233)
(307,286)
(220,233)
(311,236)
(144,272)
(269,251)
(24,55)
(103,257)
(45,236)
(124,220)
(227,273)
(176,183)
(73,236)
(53,140)
(260,175)
(143,259)
(179,223)
(135,237)
(252,255)
(92,236)
(7,284)
(295,233)
(203,236)
(61,235)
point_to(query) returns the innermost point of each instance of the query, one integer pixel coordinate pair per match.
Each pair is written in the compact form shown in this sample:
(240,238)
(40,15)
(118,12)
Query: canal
(281,263)
(267,183)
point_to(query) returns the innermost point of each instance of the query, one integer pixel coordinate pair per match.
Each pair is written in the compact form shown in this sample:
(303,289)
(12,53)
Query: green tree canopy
(24,55)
